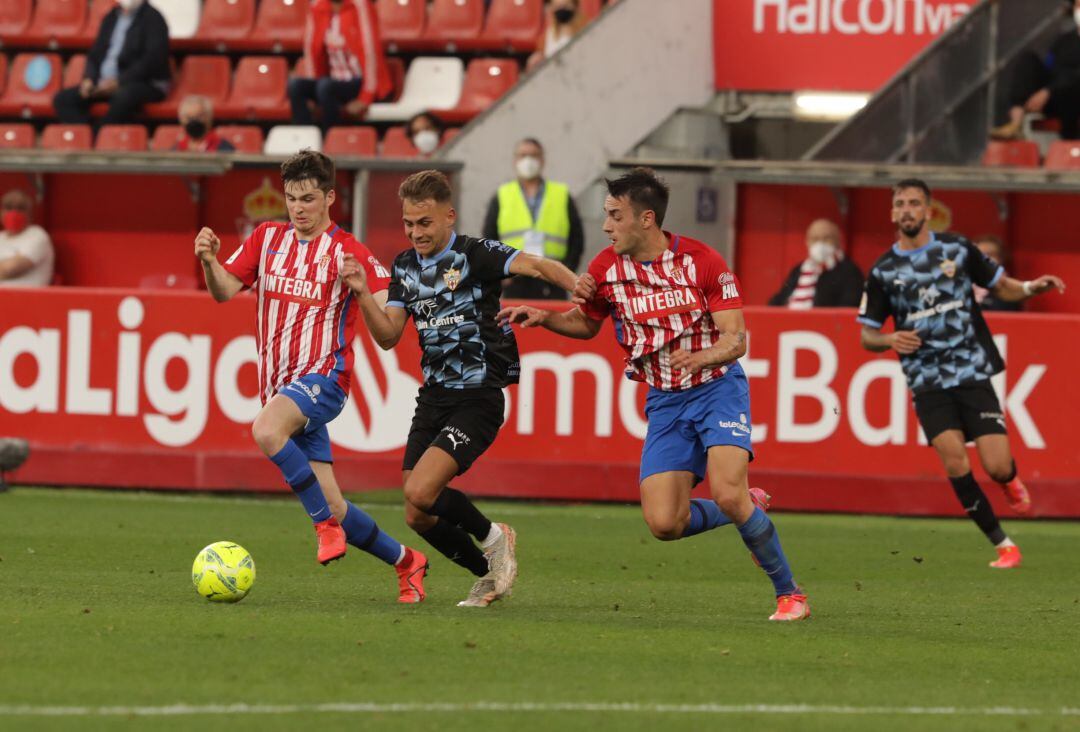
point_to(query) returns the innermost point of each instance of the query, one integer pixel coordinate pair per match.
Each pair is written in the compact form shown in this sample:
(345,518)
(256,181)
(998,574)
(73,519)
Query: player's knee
(957,466)
(267,436)
(1000,472)
(418,494)
(665,529)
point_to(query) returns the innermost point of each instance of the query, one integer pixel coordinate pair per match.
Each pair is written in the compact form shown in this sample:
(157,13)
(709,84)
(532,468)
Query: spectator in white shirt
(26,253)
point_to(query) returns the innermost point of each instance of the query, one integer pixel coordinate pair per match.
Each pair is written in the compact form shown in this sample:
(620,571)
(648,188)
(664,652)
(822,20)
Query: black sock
(454,544)
(1012,474)
(978,507)
(455,507)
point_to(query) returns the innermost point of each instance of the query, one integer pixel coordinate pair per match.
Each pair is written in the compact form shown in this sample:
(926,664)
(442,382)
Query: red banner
(159,390)
(841,45)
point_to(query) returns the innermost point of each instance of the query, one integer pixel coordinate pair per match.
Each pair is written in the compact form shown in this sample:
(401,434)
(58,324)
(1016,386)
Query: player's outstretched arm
(901,341)
(572,323)
(1012,290)
(222,284)
(542,268)
(385,324)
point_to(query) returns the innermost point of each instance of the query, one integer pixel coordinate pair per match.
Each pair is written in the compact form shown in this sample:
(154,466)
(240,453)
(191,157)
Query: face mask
(822,251)
(426,141)
(527,167)
(564,15)
(14,221)
(195,129)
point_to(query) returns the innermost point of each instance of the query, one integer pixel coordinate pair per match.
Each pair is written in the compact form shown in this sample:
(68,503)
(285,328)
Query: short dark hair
(646,191)
(913,183)
(309,165)
(435,121)
(425,185)
(530,141)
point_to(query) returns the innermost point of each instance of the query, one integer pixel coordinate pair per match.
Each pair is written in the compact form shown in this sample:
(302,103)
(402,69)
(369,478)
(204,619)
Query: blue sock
(705,515)
(759,535)
(363,533)
(294,465)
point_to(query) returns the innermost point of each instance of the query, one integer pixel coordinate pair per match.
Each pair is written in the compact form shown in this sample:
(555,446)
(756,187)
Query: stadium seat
(169,281)
(16,136)
(279,25)
(3,74)
(1011,154)
(590,8)
(182,16)
(67,137)
(97,10)
(73,71)
(245,138)
(288,139)
(430,83)
(351,141)
(401,22)
(32,81)
(396,144)
(1063,155)
(258,90)
(455,24)
(225,20)
(514,24)
(165,137)
(121,138)
(209,76)
(15,18)
(56,20)
(449,134)
(486,79)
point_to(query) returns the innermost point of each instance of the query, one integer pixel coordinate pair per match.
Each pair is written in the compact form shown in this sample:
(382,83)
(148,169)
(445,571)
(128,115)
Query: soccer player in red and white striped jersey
(305,326)
(677,313)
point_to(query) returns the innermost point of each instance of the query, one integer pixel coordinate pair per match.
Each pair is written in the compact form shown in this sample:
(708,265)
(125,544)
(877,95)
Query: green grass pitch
(911,629)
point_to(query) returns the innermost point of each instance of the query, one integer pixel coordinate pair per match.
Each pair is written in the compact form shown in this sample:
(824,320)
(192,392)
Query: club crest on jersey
(948,266)
(452,278)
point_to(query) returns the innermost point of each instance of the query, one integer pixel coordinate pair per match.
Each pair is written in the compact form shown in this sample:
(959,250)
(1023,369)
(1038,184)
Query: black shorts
(463,422)
(972,408)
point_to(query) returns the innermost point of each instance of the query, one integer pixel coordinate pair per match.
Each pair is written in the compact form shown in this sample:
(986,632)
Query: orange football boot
(331,540)
(791,607)
(411,571)
(1009,557)
(1017,496)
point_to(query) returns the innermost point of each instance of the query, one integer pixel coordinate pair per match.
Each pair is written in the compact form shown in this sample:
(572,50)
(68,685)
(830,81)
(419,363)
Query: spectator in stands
(1050,87)
(994,249)
(26,253)
(425,130)
(345,62)
(826,278)
(537,216)
(128,66)
(563,21)
(196,116)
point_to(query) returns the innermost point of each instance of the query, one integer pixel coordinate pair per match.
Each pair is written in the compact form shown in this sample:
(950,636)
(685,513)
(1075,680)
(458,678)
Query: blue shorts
(320,400)
(683,425)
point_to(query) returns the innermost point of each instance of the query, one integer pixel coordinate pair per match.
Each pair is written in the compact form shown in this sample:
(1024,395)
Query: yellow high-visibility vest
(515,219)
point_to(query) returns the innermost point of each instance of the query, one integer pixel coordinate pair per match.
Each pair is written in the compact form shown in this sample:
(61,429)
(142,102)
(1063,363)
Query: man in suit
(128,66)
(826,278)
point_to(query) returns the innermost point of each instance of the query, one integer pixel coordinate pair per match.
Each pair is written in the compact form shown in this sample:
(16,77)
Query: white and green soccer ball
(223,572)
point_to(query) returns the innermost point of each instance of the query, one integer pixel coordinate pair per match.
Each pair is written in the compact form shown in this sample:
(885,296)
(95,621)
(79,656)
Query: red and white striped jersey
(306,317)
(664,305)
(344,65)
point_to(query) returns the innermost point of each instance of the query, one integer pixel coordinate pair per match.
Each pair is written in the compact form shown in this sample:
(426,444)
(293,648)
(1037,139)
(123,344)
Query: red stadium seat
(486,79)
(67,137)
(245,138)
(3,74)
(16,136)
(514,24)
(225,20)
(165,137)
(590,8)
(1011,154)
(169,281)
(209,76)
(14,19)
(56,20)
(455,23)
(401,21)
(258,90)
(32,81)
(396,144)
(1063,155)
(450,134)
(98,9)
(279,25)
(354,141)
(121,138)
(73,72)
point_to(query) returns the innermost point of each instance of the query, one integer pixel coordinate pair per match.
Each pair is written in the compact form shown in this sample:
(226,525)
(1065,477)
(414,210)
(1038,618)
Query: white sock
(1006,542)
(401,558)
(492,536)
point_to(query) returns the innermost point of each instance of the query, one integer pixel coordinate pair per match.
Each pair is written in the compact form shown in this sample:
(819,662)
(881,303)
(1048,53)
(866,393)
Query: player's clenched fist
(584,289)
(905,341)
(207,245)
(352,273)
(523,315)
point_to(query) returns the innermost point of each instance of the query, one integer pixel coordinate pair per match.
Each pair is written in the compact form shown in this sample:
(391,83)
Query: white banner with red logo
(841,45)
(148,390)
